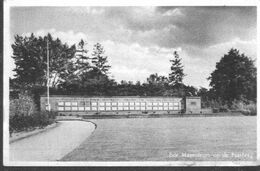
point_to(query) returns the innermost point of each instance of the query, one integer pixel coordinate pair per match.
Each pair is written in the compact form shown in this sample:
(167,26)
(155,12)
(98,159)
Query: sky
(140,40)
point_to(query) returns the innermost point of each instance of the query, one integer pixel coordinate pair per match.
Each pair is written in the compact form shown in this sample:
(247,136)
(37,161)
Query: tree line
(79,71)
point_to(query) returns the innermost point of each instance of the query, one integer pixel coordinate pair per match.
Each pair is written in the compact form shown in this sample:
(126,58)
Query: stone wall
(192,105)
(77,105)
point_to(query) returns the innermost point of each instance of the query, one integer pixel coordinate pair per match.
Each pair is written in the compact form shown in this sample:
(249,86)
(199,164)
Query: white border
(6,69)
(7,50)
(131,3)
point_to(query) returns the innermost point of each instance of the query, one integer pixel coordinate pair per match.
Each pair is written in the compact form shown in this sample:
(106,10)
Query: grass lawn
(170,139)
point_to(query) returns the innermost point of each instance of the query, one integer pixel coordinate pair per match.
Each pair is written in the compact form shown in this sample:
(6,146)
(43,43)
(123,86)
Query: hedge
(19,123)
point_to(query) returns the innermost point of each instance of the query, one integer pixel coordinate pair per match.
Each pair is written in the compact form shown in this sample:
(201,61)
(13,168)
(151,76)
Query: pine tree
(99,60)
(82,59)
(176,75)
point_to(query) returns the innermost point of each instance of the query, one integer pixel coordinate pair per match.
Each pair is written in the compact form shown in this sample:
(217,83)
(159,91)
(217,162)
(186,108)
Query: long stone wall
(113,105)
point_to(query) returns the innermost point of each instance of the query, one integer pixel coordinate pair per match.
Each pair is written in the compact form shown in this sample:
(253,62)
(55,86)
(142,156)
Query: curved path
(52,144)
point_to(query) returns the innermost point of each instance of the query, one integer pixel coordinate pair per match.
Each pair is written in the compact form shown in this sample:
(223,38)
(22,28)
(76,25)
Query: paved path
(53,144)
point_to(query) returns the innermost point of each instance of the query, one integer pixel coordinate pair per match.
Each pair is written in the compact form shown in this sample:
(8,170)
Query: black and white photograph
(149,84)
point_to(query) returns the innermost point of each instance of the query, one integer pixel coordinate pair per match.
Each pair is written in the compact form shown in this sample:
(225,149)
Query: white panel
(93,108)
(132,103)
(176,108)
(67,108)
(74,108)
(176,104)
(101,108)
(108,104)
(160,108)
(86,104)
(101,104)
(61,103)
(155,108)
(160,103)
(61,108)
(137,108)
(74,103)
(143,108)
(137,103)
(67,103)
(81,108)
(132,108)
(94,103)
(170,108)
(165,108)
(125,103)
(165,104)
(143,104)
(155,103)
(114,104)
(87,108)
(149,108)
(120,108)
(114,108)
(108,108)
(149,104)
(126,108)
(170,104)
(120,104)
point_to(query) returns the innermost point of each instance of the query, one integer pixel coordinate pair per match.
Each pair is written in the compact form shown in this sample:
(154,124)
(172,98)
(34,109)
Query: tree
(190,91)
(205,97)
(82,61)
(30,56)
(176,75)
(155,85)
(234,77)
(99,60)
(157,79)
(77,68)
(28,62)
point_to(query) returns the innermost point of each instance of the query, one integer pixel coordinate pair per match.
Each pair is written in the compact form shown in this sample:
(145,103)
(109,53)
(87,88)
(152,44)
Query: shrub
(22,106)
(246,108)
(215,110)
(24,122)
(251,108)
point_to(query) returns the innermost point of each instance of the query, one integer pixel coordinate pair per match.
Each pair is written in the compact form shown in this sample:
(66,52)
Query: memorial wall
(99,104)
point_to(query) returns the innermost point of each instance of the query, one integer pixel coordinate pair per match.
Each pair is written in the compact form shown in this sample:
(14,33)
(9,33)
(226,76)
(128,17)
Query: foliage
(248,108)
(25,122)
(29,54)
(176,75)
(24,105)
(99,60)
(234,78)
(74,71)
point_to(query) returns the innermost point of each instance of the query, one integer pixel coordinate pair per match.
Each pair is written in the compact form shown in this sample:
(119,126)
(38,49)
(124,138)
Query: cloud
(86,10)
(141,40)
(173,12)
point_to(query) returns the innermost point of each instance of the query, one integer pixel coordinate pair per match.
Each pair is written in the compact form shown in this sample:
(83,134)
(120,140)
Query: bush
(215,110)
(24,122)
(22,106)
(223,109)
(246,108)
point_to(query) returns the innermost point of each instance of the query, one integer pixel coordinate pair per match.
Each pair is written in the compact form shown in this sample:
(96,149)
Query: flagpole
(48,75)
